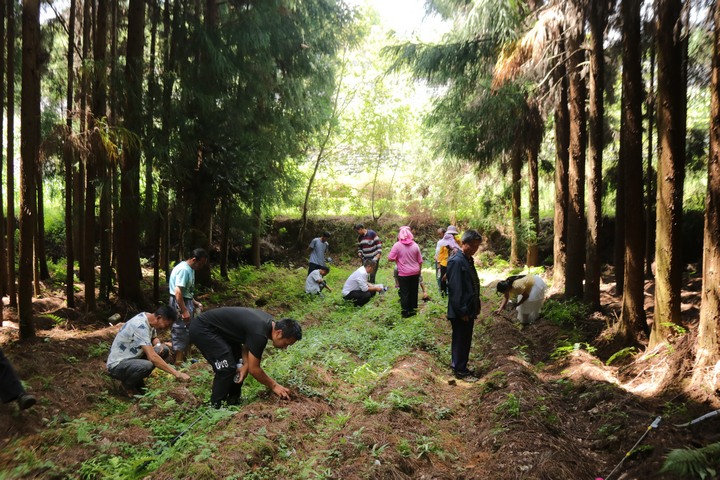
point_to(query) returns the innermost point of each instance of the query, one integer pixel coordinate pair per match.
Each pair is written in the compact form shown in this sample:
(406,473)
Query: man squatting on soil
(357,289)
(182,300)
(225,335)
(136,350)
(10,387)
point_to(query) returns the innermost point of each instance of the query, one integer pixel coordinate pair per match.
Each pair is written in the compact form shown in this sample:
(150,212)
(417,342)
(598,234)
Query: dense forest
(580,138)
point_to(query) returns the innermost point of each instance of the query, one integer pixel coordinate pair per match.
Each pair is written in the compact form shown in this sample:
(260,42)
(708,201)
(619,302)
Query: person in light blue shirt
(182,299)
(318,248)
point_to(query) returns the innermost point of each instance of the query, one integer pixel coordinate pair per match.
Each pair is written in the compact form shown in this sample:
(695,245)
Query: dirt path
(530,416)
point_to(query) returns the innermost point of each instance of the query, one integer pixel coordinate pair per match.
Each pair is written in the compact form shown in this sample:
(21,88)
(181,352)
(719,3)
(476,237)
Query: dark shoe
(26,401)
(464,373)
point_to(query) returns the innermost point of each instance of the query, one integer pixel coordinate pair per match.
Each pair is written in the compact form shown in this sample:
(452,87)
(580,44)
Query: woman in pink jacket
(406,254)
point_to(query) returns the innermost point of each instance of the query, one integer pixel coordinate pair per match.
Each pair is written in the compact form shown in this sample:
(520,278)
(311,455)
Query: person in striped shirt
(369,247)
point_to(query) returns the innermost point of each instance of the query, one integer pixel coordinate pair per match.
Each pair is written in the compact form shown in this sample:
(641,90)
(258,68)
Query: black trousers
(312,267)
(443,281)
(358,297)
(10,386)
(409,295)
(371,277)
(462,332)
(223,359)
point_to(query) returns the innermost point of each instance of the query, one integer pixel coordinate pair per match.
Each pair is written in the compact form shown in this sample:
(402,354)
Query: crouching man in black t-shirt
(224,335)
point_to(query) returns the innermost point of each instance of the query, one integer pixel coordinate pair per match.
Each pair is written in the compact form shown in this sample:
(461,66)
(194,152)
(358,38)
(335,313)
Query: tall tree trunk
(3,252)
(114,107)
(256,231)
(619,245)
(89,233)
(707,346)
(69,160)
(81,182)
(632,320)
(671,169)
(29,152)
(649,180)
(102,163)
(575,271)
(149,213)
(562,144)
(12,287)
(160,239)
(598,21)
(88,227)
(42,267)
(225,243)
(533,193)
(78,192)
(128,259)
(204,204)
(170,40)
(533,140)
(516,201)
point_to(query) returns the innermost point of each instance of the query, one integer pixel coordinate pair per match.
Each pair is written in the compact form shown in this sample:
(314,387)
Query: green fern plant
(698,463)
(625,352)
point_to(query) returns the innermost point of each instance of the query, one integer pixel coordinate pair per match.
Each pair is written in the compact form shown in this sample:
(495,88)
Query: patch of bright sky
(407,18)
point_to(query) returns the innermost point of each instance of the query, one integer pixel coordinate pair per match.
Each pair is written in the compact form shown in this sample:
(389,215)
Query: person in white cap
(446,248)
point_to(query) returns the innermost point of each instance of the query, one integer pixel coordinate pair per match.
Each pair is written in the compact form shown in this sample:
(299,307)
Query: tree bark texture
(575,271)
(598,21)
(29,151)
(650,177)
(534,134)
(516,171)
(3,251)
(562,141)
(632,320)
(69,160)
(128,258)
(40,257)
(102,164)
(707,347)
(225,241)
(256,231)
(670,169)
(10,81)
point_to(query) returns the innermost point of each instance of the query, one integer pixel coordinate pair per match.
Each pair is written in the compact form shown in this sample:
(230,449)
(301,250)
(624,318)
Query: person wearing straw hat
(446,248)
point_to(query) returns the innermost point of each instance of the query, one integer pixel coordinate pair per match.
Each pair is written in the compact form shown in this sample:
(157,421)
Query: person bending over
(529,290)
(229,334)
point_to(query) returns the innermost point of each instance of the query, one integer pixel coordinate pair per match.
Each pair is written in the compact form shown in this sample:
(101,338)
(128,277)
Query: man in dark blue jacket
(463,302)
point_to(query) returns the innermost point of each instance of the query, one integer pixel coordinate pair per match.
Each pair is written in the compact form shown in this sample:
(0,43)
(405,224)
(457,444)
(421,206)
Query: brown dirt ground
(577,417)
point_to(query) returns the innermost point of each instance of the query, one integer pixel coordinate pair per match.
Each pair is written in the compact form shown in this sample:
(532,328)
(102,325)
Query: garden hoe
(652,426)
(699,419)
